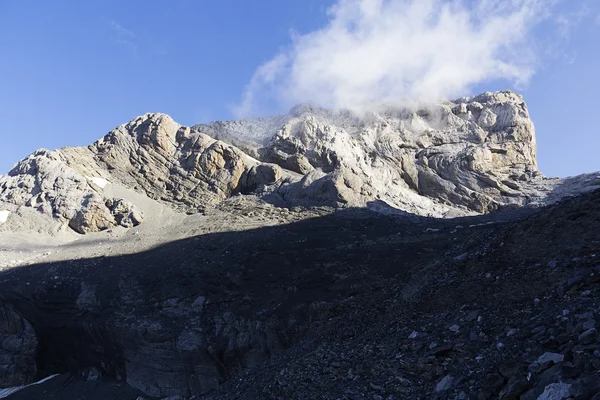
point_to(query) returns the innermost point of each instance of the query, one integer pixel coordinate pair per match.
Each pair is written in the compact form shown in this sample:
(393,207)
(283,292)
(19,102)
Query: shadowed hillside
(389,306)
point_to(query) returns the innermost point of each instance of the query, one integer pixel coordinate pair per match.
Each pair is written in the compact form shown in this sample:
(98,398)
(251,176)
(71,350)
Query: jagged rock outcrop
(95,216)
(179,165)
(44,181)
(472,155)
(151,154)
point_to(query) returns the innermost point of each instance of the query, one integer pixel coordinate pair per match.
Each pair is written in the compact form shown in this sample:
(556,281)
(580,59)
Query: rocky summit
(404,253)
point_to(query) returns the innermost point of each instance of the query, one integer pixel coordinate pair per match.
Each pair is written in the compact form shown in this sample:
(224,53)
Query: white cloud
(264,76)
(124,37)
(122,32)
(567,21)
(394,51)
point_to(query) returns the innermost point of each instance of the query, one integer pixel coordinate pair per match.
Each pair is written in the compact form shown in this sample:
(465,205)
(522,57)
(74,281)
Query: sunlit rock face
(471,155)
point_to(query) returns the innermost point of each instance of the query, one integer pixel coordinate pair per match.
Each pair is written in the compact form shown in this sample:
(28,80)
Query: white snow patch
(4,216)
(100,182)
(8,391)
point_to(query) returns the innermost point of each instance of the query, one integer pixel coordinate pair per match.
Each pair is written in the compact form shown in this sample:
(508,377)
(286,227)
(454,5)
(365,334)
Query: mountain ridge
(473,155)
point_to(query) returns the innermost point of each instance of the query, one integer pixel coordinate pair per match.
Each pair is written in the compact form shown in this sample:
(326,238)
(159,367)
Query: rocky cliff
(472,155)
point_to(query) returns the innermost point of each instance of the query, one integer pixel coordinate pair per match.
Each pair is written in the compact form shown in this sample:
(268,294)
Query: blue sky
(72,70)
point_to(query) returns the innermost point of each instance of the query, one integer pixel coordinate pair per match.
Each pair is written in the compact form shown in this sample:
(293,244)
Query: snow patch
(100,182)
(4,216)
(8,391)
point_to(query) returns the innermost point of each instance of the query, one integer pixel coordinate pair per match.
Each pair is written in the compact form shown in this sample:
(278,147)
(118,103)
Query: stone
(125,213)
(555,391)
(550,357)
(445,384)
(514,388)
(472,316)
(93,217)
(589,324)
(244,305)
(588,337)
(260,176)
(92,374)
(151,154)
(512,332)
(413,161)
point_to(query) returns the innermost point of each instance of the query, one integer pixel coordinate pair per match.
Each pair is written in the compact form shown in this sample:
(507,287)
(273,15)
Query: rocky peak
(471,155)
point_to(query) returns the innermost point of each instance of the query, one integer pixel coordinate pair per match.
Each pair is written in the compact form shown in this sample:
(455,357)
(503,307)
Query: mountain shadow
(192,316)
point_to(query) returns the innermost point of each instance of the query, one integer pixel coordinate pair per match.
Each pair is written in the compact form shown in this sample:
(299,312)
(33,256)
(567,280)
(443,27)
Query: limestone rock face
(45,182)
(95,216)
(151,154)
(471,155)
(167,161)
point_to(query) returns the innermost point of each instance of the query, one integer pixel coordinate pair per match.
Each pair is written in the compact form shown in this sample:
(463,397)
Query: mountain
(322,254)
(473,155)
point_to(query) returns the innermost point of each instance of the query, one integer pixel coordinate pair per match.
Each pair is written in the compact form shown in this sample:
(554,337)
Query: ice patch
(4,216)
(8,391)
(100,182)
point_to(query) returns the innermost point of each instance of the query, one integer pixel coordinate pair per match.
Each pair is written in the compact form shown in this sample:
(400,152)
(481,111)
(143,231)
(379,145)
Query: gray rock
(261,176)
(512,332)
(445,384)
(93,217)
(550,357)
(472,316)
(151,154)
(514,388)
(589,324)
(555,391)
(588,336)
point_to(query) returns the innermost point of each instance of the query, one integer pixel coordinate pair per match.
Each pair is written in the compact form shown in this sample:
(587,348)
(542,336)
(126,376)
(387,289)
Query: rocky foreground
(380,307)
(302,257)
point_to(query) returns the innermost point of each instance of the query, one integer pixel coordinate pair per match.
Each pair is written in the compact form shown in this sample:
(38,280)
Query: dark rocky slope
(350,305)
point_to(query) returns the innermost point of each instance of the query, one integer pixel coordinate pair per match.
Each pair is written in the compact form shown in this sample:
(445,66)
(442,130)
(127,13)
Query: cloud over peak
(399,51)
